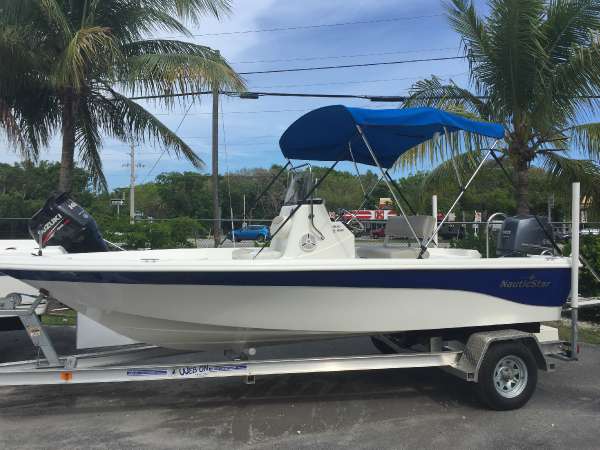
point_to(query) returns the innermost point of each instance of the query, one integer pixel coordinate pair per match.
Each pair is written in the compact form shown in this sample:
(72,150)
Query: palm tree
(69,66)
(535,68)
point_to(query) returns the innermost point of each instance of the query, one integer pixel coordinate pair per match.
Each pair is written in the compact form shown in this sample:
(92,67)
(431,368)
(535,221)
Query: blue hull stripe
(543,287)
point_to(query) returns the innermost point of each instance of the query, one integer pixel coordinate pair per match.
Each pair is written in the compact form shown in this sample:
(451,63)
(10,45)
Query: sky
(250,129)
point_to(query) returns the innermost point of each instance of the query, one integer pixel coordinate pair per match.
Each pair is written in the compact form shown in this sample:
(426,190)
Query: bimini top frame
(377,138)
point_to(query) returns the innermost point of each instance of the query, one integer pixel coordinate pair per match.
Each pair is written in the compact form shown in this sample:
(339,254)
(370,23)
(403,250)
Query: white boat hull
(196,316)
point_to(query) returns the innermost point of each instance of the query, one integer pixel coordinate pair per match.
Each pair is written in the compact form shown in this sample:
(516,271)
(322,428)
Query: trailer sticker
(34,331)
(206,369)
(145,372)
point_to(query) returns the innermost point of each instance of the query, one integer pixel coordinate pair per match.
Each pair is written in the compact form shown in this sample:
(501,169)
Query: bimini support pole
(434,211)
(576,202)
(462,192)
(390,187)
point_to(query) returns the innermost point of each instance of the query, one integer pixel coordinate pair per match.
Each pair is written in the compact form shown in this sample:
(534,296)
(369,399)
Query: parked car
(378,233)
(258,233)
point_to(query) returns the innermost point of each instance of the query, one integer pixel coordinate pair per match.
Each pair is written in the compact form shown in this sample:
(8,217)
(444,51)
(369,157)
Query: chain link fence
(14,228)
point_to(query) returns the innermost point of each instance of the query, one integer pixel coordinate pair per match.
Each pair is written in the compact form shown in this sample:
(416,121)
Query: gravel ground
(418,408)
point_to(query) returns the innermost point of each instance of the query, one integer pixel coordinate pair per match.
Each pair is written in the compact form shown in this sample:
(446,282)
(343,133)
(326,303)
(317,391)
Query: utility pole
(132,186)
(132,165)
(215,166)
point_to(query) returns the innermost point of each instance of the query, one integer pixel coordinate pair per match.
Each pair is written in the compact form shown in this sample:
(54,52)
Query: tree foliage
(72,63)
(534,68)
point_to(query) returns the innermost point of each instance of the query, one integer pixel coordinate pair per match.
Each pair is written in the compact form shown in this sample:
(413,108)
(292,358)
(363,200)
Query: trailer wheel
(507,377)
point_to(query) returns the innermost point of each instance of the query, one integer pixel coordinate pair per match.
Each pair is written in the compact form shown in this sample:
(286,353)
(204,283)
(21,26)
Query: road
(390,409)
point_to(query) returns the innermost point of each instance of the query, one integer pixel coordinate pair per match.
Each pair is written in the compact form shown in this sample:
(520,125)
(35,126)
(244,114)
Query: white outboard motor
(522,235)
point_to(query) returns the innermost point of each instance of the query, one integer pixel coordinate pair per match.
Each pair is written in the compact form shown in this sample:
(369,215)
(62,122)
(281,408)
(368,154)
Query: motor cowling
(64,222)
(522,235)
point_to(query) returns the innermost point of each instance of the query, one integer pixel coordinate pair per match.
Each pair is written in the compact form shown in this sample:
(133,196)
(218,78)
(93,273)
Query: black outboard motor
(521,235)
(64,222)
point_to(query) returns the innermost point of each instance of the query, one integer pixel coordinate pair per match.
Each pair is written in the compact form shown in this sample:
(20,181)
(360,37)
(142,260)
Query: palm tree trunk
(522,183)
(69,111)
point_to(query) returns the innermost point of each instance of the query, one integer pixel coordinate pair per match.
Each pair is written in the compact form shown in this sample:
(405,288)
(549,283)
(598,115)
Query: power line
(304,69)
(359,55)
(325,25)
(255,95)
(347,66)
(165,149)
(246,112)
(337,83)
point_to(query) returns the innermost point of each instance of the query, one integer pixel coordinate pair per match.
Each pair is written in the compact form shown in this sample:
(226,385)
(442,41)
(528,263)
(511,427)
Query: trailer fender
(478,344)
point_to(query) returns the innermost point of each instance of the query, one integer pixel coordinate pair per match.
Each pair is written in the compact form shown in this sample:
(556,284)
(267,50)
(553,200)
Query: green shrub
(589,248)
(175,233)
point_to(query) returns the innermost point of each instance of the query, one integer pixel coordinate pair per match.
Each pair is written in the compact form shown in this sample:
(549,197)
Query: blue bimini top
(331,133)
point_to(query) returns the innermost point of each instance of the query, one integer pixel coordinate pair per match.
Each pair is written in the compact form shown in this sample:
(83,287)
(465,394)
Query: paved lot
(393,409)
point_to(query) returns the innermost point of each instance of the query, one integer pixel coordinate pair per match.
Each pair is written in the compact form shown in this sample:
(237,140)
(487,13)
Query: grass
(67,317)
(588,333)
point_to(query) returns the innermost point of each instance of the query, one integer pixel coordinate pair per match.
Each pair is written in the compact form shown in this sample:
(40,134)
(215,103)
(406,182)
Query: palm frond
(474,35)
(194,10)
(156,67)
(572,83)
(125,119)
(88,141)
(584,138)
(452,98)
(563,171)
(516,54)
(132,21)
(568,25)
(10,125)
(56,17)
(89,48)
(432,92)
(454,171)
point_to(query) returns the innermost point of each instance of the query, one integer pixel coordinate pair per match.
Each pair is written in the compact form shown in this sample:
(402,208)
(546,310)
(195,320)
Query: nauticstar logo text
(531,282)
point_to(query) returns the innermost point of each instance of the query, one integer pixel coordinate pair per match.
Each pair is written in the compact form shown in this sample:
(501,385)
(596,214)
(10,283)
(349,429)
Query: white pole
(132,186)
(215,166)
(434,210)
(575,216)
(244,224)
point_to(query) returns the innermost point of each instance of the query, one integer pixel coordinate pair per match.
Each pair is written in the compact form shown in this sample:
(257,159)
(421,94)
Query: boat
(8,285)
(313,281)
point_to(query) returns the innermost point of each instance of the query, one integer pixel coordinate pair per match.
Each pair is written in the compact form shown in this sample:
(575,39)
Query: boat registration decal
(204,370)
(146,372)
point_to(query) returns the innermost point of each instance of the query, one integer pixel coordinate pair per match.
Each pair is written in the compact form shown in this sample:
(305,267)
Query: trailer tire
(507,376)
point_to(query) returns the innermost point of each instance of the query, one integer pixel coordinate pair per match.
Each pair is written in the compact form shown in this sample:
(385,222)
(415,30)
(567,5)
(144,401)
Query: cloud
(252,127)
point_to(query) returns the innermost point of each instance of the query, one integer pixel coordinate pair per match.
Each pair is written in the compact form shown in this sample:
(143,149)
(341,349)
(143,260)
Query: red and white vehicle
(368,214)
